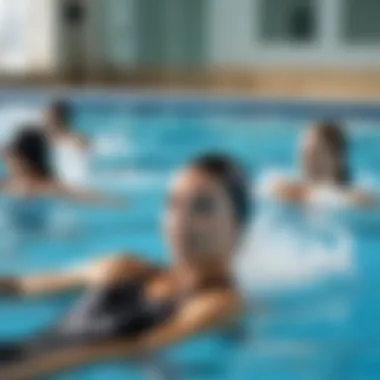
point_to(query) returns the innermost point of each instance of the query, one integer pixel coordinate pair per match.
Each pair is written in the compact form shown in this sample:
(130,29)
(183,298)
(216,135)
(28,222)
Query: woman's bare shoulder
(116,268)
(207,310)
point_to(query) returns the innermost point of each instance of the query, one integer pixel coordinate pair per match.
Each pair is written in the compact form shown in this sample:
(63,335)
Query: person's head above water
(325,154)
(58,116)
(208,208)
(28,154)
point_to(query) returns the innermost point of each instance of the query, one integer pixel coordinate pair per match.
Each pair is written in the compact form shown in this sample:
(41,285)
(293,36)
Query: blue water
(323,327)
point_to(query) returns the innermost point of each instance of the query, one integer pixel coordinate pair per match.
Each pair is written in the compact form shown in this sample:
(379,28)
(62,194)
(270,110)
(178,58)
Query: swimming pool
(311,283)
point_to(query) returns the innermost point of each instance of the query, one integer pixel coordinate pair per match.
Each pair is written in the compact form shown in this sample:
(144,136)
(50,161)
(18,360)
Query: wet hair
(232,178)
(335,139)
(62,111)
(32,146)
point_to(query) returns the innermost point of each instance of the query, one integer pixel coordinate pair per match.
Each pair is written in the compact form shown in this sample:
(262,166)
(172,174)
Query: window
(361,21)
(13,34)
(288,21)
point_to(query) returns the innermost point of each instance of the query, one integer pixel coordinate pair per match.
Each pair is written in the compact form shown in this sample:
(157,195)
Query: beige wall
(42,37)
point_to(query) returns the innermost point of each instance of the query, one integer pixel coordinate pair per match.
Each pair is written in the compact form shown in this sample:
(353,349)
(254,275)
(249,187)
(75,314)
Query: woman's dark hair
(335,139)
(232,178)
(33,147)
(62,111)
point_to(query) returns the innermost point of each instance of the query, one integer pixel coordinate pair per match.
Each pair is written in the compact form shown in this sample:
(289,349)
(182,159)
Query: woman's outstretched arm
(102,273)
(86,195)
(40,284)
(204,312)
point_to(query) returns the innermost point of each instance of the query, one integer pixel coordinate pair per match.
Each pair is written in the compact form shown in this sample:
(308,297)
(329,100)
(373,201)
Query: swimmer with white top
(70,149)
(326,174)
(30,173)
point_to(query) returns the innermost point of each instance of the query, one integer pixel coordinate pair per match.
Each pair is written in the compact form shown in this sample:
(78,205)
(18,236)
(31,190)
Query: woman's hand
(88,196)
(361,199)
(9,286)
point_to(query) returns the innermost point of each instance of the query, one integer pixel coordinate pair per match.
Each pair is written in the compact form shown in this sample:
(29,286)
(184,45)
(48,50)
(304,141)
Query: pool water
(310,276)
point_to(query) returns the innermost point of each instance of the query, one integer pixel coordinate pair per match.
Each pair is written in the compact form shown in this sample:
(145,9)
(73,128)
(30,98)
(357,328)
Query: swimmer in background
(30,173)
(134,307)
(325,168)
(70,149)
